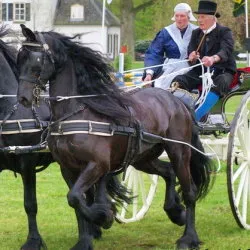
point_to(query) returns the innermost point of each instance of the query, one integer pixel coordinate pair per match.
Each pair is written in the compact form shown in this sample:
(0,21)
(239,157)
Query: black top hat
(208,8)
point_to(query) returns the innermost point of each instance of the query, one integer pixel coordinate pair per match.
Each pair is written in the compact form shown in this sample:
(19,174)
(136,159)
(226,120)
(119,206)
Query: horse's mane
(8,51)
(94,76)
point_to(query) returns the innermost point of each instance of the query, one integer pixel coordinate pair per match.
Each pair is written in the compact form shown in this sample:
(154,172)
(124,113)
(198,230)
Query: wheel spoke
(240,188)
(242,142)
(239,171)
(152,179)
(135,193)
(143,190)
(143,187)
(245,200)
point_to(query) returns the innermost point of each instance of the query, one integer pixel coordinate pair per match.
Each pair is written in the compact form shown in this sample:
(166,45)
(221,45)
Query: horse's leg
(70,178)
(34,239)
(101,199)
(97,213)
(172,205)
(180,157)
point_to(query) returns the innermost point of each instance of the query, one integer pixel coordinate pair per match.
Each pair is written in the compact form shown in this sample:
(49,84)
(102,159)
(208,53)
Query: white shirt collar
(210,29)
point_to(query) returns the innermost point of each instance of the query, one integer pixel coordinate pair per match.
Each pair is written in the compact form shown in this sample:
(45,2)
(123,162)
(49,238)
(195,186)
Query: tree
(128,10)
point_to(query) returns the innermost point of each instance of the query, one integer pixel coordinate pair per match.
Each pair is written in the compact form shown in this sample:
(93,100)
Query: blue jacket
(163,46)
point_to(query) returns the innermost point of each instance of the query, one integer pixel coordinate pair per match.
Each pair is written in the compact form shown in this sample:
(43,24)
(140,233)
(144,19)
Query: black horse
(20,126)
(98,135)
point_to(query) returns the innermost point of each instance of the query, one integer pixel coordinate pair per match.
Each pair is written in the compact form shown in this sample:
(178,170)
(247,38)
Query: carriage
(230,133)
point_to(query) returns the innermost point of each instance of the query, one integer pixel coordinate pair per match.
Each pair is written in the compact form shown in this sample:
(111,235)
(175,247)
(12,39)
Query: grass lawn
(214,220)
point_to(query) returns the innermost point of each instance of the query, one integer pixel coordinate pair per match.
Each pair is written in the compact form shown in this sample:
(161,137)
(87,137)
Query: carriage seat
(190,99)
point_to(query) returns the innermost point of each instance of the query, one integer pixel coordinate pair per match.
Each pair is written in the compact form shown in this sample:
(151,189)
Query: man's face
(181,19)
(206,21)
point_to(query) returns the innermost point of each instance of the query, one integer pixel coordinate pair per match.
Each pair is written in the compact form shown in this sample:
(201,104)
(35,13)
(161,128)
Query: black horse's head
(36,66)
(46,57)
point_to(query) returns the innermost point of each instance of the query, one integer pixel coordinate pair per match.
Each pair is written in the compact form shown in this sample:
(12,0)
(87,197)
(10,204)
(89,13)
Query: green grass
(214,220)
(137,64)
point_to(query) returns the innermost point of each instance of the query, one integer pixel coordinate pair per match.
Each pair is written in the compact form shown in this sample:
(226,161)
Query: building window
(77,13)
(116,48)
(18,12)
(110,44)
(113,49)
(7,11)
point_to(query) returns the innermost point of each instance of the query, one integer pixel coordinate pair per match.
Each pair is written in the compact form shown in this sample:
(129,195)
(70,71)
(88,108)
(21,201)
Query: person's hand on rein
(193,56)
(148,78)
(208,60)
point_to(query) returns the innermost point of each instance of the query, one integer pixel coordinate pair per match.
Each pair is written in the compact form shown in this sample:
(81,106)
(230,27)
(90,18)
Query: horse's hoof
(184,246)
(83,244)
(34,244)
(186,242)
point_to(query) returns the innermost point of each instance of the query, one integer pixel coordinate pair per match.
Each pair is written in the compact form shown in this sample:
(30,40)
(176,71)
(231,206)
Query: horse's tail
(118,192)
(201,167)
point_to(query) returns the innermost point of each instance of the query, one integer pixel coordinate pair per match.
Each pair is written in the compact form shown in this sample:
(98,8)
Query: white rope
(207,83)
(165,76)
(2,96)
(155,66)
(216,156)
(61,98)
(191,146)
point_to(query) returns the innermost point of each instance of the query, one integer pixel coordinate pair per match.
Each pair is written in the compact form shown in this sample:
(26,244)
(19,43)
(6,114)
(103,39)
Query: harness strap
(89,127)
(22,126)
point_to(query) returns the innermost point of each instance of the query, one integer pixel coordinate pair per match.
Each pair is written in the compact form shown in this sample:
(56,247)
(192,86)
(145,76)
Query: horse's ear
(28,33)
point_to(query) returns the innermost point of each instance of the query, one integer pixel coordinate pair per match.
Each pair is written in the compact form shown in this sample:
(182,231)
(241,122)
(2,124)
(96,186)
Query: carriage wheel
(238,163)
(143,187)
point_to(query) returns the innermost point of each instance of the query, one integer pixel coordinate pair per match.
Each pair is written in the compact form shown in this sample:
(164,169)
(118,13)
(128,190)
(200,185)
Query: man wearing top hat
(215,50)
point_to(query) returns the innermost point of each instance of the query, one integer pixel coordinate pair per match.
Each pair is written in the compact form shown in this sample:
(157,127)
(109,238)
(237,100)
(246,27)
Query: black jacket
(218,42)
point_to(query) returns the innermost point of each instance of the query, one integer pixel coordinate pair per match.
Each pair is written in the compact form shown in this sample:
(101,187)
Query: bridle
(39,81)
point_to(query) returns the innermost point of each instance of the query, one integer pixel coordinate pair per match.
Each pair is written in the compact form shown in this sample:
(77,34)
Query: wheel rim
(143,187)
(239,164)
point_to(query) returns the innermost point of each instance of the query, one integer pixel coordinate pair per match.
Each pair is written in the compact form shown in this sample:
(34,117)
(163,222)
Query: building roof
(92,13)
